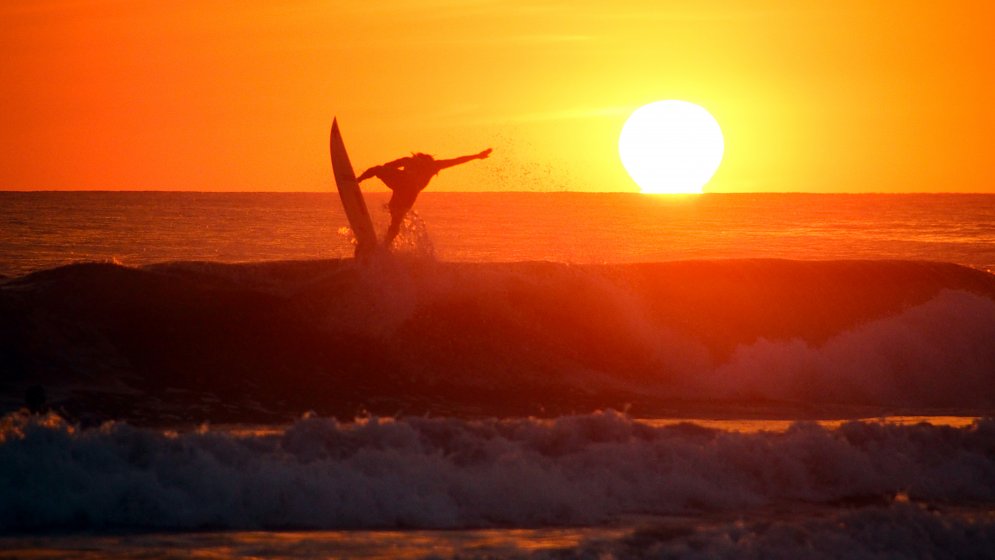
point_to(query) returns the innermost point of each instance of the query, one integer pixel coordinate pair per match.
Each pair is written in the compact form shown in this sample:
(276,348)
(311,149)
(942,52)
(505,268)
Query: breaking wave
(449,473)
(938,354)
(265,342)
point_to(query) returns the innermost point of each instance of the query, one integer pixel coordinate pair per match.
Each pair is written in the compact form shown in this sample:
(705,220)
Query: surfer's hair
(420,155)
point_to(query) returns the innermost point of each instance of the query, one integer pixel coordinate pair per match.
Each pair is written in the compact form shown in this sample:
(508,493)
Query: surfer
(407,177)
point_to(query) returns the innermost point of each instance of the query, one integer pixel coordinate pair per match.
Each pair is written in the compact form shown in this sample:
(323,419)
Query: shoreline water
(967,531)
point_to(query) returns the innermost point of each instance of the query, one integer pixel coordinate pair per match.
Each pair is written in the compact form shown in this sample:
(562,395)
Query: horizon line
(430,193)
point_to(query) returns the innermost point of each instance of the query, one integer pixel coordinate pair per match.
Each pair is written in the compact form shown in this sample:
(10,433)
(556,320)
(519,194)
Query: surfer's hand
(485,153)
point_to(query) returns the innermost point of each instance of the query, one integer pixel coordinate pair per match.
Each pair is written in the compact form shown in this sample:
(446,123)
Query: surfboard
(352,197)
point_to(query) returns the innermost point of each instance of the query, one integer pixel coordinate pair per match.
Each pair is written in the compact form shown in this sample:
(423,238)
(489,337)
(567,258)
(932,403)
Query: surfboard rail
(349,192)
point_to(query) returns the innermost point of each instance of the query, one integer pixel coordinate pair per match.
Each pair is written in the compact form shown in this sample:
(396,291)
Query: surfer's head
(420,157)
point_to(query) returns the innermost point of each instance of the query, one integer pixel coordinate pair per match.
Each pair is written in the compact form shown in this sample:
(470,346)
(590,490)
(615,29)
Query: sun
(671,147)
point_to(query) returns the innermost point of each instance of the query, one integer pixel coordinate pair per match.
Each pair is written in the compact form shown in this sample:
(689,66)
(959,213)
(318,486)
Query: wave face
(449,473)
(266,342)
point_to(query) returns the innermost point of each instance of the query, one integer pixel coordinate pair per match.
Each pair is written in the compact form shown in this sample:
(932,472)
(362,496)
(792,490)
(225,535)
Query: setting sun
(671,147)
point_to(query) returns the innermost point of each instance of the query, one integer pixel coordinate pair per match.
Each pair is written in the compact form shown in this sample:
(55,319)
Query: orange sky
(239,94)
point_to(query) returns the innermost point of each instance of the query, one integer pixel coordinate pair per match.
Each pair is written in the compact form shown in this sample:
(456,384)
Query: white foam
(435,473)
(939,353)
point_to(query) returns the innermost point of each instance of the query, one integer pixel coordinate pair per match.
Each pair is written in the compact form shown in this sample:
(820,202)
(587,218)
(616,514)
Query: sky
(238,95)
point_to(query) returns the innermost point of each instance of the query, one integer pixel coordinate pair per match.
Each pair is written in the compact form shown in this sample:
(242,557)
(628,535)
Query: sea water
(593,484)
(45,229)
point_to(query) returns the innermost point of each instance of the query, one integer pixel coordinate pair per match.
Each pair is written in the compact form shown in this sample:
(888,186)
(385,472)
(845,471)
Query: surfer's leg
(396,219)
(400,203)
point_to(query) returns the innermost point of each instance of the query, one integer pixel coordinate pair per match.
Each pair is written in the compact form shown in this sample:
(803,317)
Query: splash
(413,239)
(347,233)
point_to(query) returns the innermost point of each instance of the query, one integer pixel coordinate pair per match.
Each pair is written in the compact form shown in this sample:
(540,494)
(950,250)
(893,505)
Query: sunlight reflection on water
(370,545)
(43,230)
(752,426)
(728,425)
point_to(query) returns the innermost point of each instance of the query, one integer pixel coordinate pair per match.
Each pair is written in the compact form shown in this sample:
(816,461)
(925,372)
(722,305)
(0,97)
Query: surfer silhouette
(407,177)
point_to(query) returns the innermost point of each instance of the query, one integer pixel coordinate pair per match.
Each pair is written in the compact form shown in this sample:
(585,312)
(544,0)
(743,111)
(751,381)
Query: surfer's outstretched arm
(444,163)
(371,172)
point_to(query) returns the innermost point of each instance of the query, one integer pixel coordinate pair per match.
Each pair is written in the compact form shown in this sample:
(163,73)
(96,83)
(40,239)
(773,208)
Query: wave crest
(448,473)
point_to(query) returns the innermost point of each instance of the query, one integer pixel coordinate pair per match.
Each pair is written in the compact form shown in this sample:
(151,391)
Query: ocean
(46,229)
(528,375)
